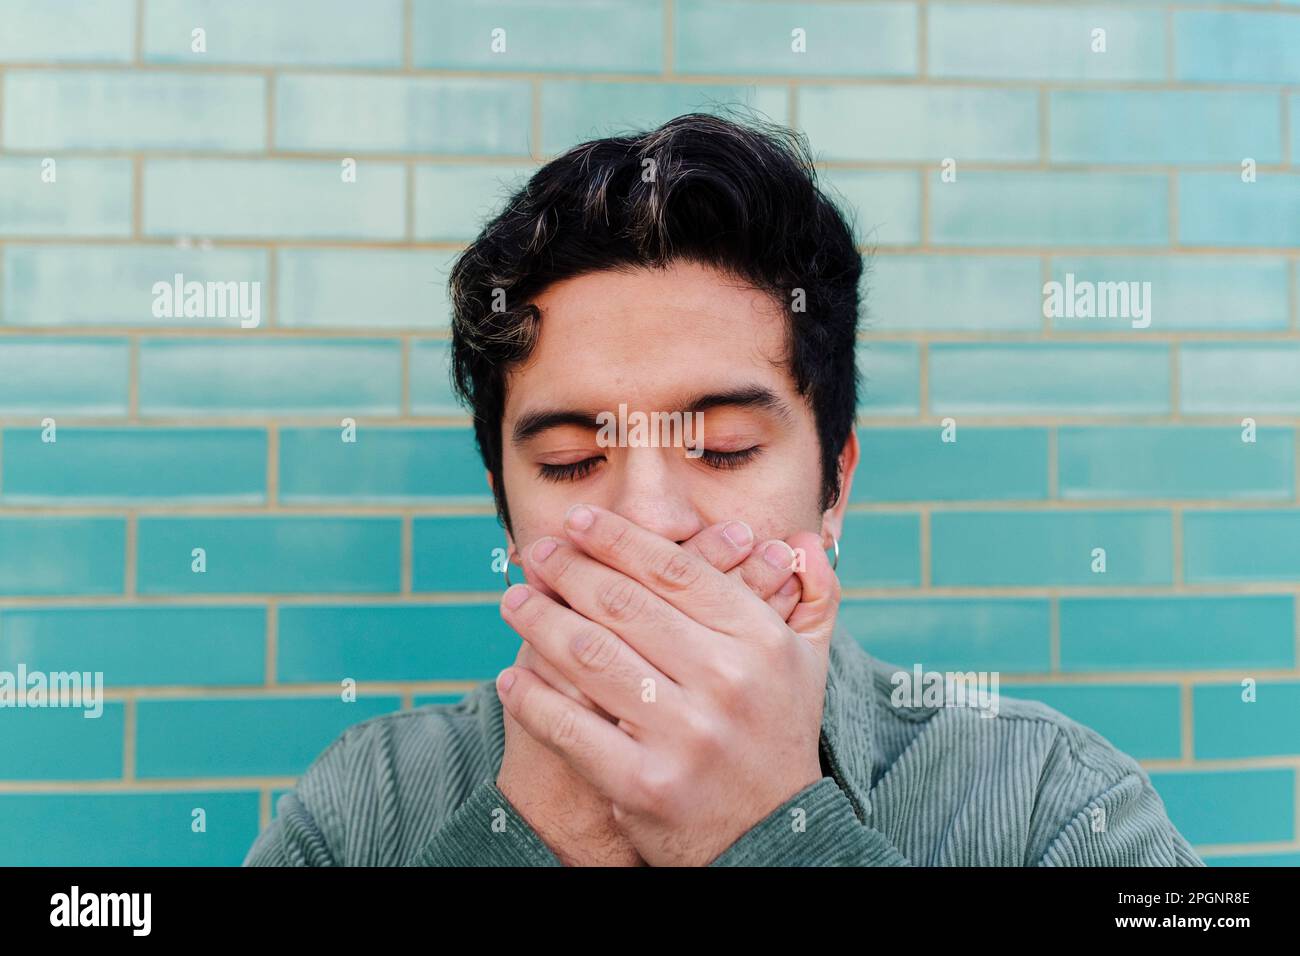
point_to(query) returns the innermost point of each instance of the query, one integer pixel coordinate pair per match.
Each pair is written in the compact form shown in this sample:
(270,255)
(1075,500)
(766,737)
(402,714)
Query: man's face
(659,341)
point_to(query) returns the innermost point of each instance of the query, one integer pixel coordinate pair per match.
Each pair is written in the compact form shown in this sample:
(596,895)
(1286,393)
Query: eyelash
(575,471)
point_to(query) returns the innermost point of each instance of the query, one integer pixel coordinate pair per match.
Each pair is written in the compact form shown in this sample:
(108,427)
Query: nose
(650,491)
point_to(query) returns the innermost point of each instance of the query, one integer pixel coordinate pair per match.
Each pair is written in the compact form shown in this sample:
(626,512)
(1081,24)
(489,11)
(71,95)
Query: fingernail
(579,518)
(543,549)
(789,587)
(505,680)
(516,595)
(779,555)
(738,533)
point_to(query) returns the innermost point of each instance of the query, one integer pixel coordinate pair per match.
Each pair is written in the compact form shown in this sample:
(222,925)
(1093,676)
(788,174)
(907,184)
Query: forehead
(646,336)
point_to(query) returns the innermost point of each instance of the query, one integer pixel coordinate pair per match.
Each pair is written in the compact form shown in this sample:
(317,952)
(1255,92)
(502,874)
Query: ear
(833,519)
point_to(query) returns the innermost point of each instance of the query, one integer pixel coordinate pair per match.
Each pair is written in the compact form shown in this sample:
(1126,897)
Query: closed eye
(577,470)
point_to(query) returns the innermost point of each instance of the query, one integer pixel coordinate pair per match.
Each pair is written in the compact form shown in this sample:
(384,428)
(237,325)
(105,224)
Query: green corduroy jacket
(905,786)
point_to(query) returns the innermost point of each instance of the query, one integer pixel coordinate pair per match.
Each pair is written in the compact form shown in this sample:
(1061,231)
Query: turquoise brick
(284,33)
(954,633)
(1218,209)
(1048,42)
(891,379)
(267,554)
(1239,378)
(453,201)
(1177,126)
(576,111)
(63,376)
(227,737)
(1045,379)
(624,36)
(1049,209)
(958,293)
(1249,47)
(221,376)
(127,829)
(63,556)
(880,123)
(157,111)
(884,207)
(1254,859)
(80,284)
(1228,728)
(1176,462)
(135,645)
(88,197)
(363,288)
(859,39)
(67,31)
(410,642)
(1143,720)
(1228,293)
(1255,545)
(62,743)
(382,465)
(134,464)
(1172,633)
(880,550)
(1230,806)
(915,464)
(353,115)
(1050,548)
(431,392)
(273,198)
(455,553)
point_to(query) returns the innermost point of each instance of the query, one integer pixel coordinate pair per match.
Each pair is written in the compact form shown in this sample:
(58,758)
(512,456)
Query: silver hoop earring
(836,562)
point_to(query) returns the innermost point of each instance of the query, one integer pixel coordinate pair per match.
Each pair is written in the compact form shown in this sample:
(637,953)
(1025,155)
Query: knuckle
(620,539)
(677,570)
(656,787)
(621,599)
(564,729)
(597,651)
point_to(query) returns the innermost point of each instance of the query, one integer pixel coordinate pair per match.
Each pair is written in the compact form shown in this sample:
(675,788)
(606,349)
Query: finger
(528,657)
(728,547)
(768,569)
(814,618)
(596,660)
(672,575)
(658,632)
(600,751)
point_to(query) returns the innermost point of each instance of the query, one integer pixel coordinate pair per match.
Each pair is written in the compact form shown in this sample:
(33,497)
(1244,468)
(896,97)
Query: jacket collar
(848,734)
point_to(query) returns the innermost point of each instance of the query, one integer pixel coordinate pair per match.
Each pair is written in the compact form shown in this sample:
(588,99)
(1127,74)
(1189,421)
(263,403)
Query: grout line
(1187,722)
(272,464)
(407,556)
(129,578)
(926,552)
(1053,463)
(270,678)
(1176,529)
(130,720)
(670,51)
(1054,632)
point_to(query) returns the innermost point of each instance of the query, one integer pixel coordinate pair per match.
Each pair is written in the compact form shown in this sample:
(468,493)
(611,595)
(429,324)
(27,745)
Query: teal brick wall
(371,561)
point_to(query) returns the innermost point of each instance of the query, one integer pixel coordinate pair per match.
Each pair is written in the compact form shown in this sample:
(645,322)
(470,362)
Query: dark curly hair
(739,196)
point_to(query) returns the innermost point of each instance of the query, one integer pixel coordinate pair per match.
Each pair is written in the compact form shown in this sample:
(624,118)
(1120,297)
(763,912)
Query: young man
(684,694)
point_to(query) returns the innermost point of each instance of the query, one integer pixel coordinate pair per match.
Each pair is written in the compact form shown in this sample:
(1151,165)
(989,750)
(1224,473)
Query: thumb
(814,616)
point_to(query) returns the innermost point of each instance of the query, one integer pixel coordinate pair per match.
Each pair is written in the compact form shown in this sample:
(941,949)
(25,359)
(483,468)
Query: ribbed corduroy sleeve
(815,827)
(1124,826)
(486,830)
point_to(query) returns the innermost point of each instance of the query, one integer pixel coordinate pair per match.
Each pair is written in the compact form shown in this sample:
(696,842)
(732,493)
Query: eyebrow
(757,397)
